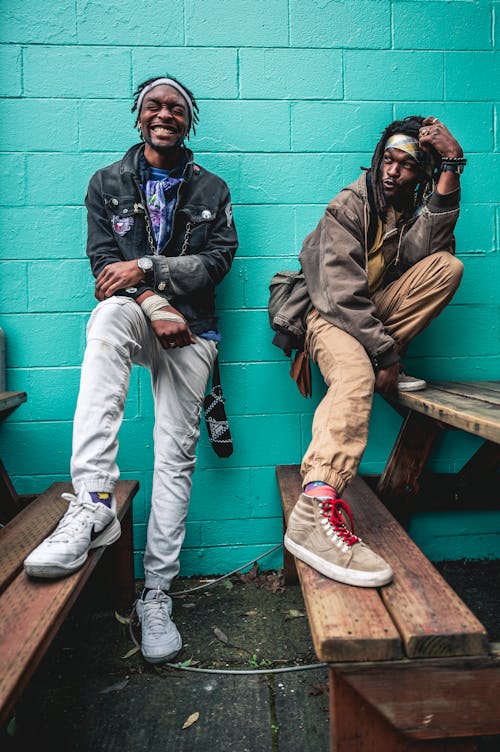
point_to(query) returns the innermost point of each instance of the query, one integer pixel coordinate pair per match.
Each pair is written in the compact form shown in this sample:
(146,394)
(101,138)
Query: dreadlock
(137,93)
(410,126)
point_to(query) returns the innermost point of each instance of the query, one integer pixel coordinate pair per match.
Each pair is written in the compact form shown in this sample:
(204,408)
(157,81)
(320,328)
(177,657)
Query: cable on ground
(233,672)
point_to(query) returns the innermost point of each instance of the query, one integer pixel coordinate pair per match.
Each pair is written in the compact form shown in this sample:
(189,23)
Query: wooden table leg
(400,480)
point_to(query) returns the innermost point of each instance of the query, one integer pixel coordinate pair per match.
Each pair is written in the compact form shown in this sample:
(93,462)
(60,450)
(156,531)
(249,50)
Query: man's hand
(386,379)
(116,277)
(435,135)
(172,333)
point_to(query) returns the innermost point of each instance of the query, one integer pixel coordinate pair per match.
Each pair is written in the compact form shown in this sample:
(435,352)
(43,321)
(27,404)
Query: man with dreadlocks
(160,238)
(378,268)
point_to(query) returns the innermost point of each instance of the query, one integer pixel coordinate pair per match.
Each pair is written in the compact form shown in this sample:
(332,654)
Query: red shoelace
(333,510)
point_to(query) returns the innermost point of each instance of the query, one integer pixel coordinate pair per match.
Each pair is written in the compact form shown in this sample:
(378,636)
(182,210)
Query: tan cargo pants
(340,426)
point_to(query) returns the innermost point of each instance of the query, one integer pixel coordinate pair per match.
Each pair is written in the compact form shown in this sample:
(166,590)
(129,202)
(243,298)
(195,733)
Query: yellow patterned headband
(407,144)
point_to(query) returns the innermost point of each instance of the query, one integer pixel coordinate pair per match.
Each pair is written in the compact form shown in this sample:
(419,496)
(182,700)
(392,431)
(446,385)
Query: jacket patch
(122,225)
(229,214)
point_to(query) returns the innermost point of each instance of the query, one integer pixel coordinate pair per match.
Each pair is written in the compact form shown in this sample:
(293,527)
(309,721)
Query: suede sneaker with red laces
(320,532)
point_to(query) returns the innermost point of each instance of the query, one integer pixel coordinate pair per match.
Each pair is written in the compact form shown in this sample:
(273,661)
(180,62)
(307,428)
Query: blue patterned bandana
(161,196)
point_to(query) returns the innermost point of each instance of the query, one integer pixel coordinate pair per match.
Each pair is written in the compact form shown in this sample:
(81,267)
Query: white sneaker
(410,383)
(85,525)
(161,640)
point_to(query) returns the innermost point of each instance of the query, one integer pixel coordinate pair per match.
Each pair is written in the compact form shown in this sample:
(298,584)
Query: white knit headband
(174,85)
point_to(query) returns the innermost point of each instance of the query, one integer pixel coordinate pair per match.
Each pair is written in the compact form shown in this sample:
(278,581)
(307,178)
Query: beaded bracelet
(454,160)
(453,164)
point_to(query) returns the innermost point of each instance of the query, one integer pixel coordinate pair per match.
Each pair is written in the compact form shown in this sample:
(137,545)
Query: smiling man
(379,267)
(160,239)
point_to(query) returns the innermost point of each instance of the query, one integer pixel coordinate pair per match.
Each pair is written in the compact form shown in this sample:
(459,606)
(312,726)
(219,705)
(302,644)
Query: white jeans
(118,335)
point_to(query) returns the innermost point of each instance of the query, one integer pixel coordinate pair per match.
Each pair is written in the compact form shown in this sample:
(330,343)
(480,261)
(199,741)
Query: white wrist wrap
(153,303)
(166,316)
(152,306)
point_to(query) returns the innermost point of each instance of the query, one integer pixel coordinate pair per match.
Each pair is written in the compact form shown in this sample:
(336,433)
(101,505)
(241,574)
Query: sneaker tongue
(152,594)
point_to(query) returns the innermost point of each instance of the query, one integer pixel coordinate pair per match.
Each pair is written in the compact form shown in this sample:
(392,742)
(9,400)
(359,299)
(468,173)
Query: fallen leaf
(319,689)
(114,687)
(188,605)
(131,653)
(254,612)
(251,574)
(220,635)
(228,584)
(294,614)
(192,719)
(121,619)
(274,582)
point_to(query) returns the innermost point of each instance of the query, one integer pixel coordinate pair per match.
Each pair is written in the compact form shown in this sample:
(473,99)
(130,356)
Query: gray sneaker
(410,383)
(320,532)
(85,525)
(161,640)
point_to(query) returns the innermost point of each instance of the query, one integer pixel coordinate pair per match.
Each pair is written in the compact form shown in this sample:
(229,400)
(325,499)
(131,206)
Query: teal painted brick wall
(293,95)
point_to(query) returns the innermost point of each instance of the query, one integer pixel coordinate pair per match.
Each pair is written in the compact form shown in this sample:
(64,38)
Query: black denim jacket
(201,247)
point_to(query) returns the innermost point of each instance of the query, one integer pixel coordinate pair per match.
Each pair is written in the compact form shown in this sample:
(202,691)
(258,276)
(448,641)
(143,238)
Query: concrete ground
(93,692)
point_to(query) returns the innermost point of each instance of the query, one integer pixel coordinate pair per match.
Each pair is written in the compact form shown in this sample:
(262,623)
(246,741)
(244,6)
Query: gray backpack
(288,307)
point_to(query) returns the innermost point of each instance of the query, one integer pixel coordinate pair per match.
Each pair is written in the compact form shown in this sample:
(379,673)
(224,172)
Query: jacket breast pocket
(198,225)
(123,213)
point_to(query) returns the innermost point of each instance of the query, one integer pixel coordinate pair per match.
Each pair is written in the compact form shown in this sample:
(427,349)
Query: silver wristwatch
(145,264)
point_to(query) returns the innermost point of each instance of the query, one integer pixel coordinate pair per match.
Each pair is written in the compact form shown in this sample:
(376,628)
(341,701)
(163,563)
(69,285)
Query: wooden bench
(10,501)
(472,406)
(409,665)
(32,611)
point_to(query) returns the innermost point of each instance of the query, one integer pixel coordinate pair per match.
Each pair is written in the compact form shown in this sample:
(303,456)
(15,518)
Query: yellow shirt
(376,260)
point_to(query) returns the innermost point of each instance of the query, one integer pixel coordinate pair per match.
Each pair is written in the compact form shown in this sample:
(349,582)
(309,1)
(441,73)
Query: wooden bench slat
(484,391)
(431,619)
(32,611)
(30,526)
(346,623)
(432,699)
(479,417)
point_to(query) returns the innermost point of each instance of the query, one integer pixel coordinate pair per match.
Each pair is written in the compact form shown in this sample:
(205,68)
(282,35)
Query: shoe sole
(50,570)
(412,387)
(339,574)
(161,658)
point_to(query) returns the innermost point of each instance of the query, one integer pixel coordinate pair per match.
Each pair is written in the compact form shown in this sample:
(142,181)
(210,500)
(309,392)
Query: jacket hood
(359,188)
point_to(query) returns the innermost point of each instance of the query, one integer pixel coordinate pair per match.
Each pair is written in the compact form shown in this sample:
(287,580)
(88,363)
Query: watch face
(145,264)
